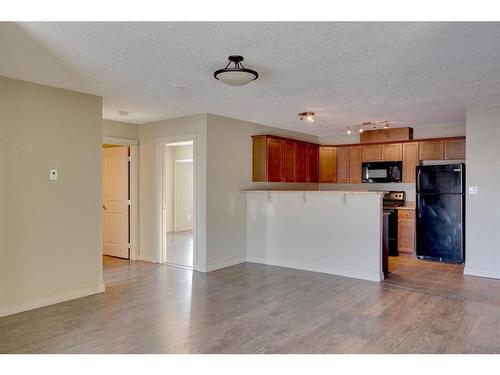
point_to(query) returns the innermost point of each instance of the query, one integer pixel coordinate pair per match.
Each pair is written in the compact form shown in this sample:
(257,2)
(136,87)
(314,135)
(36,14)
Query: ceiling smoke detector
(309,116)
(237,74)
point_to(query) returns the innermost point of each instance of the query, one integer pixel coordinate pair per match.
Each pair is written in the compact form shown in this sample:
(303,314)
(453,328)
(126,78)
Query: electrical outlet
(52,174)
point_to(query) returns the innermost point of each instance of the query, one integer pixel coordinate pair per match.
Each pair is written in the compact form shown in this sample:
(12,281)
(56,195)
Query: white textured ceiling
(417,74)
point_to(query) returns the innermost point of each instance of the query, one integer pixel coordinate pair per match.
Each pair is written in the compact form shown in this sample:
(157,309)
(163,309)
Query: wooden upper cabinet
(410,161)
(355,164)
(301,162)
(343,164)
(274,160)
(278,159)
(431,149)
(392,151)
(328,164)
(312,160)
(454,149)
(446,148)
(372,152)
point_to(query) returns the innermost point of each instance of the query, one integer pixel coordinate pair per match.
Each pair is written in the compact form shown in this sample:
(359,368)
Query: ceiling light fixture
(309,116)
(369,125)
(237,75)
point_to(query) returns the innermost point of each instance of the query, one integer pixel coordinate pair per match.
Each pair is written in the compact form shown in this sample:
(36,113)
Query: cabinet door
(372,152)
(392,152)
(343,164)
(406,235)
(454,149)
(259,159)
(312,163)
(431,150)
(274,159)
(328,164)
(355,164)
(410,161)
(289,156)
(301,165)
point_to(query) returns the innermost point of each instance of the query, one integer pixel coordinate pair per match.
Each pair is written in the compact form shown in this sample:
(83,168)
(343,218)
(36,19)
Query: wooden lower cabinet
(327,164)
(410,161)
(406,230)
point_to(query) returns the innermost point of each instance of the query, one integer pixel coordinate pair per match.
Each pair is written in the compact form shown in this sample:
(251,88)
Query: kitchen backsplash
(408,188)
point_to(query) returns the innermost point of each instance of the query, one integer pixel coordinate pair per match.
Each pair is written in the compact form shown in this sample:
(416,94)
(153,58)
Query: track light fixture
(369,125)
(309,116)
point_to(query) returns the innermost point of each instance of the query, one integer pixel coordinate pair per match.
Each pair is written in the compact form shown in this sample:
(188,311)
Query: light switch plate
(52,174)
(473,190)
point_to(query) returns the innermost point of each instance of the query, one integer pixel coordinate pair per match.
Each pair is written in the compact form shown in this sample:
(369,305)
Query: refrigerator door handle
(418,181)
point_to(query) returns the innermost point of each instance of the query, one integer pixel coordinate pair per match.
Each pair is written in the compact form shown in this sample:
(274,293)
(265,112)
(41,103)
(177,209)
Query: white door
(184,195)
(115,202)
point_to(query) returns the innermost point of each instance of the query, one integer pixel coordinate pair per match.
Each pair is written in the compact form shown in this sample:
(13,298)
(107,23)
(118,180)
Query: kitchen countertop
(314,191)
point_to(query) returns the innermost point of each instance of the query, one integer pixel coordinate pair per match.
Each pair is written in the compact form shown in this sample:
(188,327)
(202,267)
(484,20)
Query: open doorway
(178,203)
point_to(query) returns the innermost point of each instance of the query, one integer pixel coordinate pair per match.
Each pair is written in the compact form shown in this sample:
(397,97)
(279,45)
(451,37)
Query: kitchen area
(420,182)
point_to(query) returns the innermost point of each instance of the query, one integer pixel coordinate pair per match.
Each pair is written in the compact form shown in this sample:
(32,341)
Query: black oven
(382,171)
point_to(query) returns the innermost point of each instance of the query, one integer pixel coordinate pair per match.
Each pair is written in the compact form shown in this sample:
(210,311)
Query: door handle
(103,207)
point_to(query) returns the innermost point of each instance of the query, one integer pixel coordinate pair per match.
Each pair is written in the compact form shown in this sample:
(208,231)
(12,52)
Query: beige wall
(120,129)
(229,170)
(50,231)
(223,151)
(482,251)
(149,235)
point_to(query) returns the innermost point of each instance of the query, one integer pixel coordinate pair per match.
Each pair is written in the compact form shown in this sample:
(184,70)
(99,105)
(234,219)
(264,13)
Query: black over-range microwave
(382,171)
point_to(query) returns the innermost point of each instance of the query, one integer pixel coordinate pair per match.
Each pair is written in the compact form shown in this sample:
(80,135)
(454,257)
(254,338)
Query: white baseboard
(224,265)
(147,259)
(332,271)
(30,305)
(481,273)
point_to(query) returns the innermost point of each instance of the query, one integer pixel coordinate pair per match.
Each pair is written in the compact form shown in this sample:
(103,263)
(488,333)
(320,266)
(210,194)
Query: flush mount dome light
(236,75)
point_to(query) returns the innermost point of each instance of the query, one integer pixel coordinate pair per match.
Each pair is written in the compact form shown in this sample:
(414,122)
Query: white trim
(30,305)
(119,141)
(161,235)
(134,207)
(332,271)
(481,273)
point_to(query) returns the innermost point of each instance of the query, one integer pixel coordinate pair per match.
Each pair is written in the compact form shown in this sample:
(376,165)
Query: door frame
(161,235)
(133,144)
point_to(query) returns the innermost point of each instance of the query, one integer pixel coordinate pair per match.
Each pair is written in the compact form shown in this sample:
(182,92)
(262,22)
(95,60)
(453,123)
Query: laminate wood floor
(253,308)
(180,248)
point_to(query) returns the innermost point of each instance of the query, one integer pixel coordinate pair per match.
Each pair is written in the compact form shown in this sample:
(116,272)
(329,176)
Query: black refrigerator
(441,212)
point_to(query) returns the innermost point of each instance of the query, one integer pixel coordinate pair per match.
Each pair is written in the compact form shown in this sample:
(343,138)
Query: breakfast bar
(335,232)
